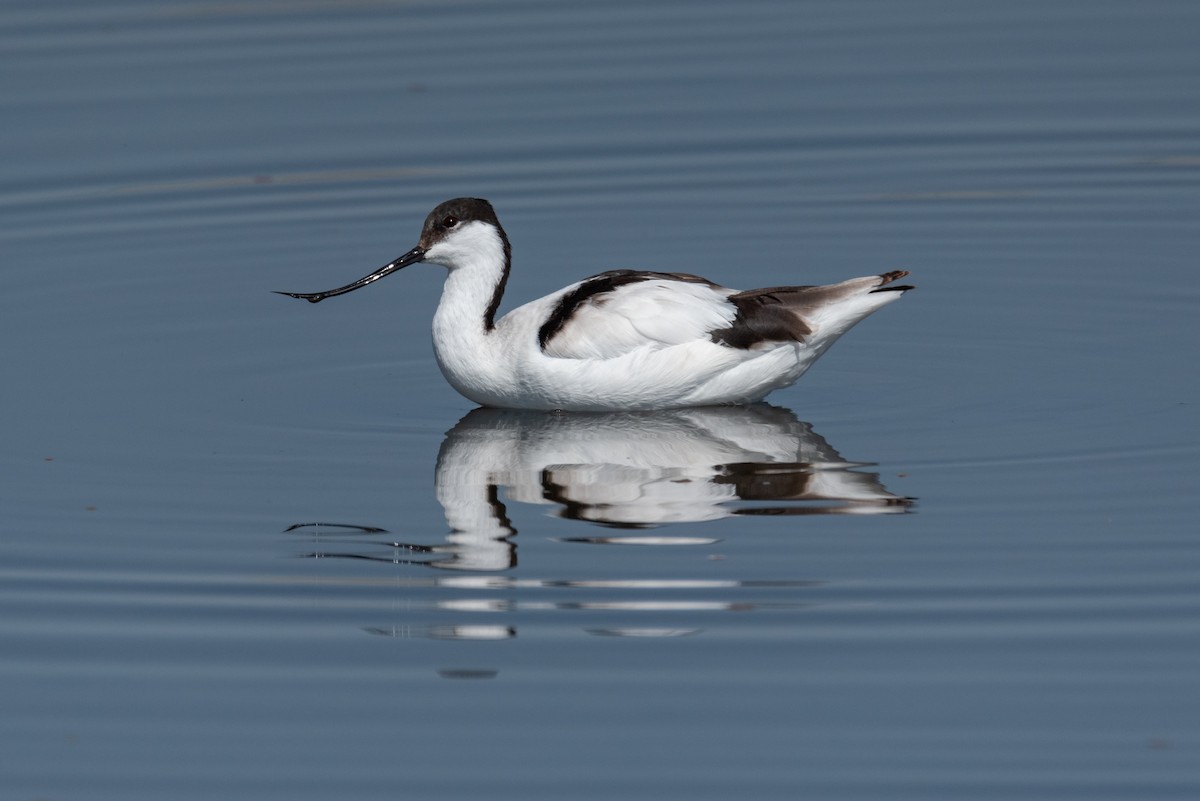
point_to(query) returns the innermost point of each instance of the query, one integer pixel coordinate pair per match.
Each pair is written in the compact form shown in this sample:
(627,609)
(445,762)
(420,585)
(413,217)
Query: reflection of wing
(861,492)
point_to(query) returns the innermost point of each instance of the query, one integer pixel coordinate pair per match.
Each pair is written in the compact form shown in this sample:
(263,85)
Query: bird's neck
(465,317)
(479,259)
(475,286)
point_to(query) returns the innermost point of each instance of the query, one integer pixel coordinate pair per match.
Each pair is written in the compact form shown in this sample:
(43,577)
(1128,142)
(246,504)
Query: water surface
(259,549)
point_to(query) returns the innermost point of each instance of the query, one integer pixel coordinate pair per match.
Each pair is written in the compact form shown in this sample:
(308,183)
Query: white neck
(462,343)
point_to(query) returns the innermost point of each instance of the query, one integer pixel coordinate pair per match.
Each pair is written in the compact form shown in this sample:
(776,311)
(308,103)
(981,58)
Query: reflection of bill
(649,468)
(629,472)
(632,471)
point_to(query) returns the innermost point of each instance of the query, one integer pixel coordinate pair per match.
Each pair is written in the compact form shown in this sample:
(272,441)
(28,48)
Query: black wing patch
(764,315)
(778,314)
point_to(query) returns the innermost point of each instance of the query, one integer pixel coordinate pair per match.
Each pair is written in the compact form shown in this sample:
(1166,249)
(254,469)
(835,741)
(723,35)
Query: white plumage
(621,340)
(655,312)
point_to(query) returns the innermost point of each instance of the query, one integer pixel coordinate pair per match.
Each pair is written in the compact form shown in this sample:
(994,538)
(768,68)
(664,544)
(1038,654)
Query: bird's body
(621,340)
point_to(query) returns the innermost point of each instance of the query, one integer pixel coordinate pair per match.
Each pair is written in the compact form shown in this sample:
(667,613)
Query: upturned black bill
(411,257)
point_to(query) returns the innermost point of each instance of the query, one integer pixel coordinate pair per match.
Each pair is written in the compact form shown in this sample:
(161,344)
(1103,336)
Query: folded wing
(611,314)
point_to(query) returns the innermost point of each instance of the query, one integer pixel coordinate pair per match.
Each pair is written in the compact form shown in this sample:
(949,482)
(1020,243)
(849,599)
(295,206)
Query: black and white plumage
(620,340)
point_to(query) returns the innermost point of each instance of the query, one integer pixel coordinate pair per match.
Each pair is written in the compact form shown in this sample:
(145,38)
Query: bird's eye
(450,221)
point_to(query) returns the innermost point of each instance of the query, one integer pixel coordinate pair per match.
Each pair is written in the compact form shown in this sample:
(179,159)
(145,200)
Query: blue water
(258,549)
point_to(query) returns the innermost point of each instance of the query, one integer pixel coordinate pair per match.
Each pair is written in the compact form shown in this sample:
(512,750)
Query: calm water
(256,549)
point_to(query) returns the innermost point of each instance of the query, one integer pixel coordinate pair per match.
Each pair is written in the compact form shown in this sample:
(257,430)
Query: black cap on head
(449,214)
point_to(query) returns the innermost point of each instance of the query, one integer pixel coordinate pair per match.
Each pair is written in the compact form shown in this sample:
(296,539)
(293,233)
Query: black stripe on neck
(489,314)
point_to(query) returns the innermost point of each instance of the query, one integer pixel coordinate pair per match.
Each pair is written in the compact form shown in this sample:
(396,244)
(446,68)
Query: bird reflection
(631,470)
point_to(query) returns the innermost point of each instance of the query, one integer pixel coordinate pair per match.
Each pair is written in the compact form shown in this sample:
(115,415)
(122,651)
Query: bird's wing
(613,313)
